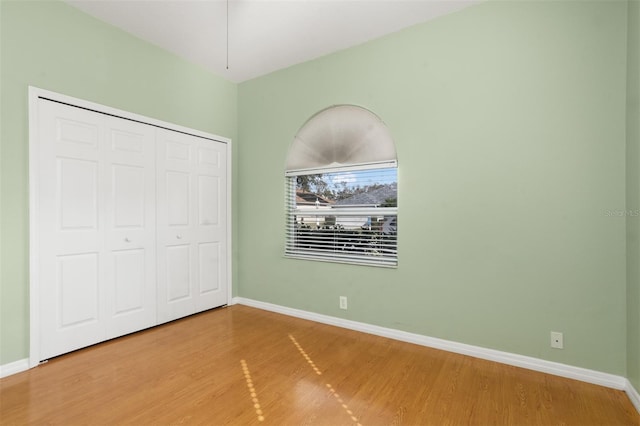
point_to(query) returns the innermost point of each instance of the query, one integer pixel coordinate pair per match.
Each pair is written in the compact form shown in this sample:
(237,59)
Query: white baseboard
(563,370)
(14,367)
(633,395)
(557,369)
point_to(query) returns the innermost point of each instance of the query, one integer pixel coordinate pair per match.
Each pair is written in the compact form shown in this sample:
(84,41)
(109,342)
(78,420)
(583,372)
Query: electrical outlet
(343,302)
(557,340)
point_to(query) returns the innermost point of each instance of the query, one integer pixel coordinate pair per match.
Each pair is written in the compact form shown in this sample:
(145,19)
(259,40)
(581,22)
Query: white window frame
(385,257)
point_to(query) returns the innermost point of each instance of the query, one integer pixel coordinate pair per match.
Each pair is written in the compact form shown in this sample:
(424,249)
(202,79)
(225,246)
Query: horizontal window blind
(349,217)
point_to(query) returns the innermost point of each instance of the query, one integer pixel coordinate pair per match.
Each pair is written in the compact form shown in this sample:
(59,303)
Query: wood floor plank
(244,366)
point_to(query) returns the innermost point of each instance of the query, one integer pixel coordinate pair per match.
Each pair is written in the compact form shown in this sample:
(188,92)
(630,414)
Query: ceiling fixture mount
(227,34)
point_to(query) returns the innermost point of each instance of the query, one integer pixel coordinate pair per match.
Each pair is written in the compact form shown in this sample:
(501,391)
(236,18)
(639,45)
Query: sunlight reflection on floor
(319,373)
(304,354)
(252,390)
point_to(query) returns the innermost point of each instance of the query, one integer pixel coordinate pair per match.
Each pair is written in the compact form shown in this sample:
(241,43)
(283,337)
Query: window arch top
(338,137)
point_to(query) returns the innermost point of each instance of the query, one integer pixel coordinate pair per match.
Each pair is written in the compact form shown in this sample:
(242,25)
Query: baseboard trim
(633,395)
(557,369)
(550,367)
(14,367)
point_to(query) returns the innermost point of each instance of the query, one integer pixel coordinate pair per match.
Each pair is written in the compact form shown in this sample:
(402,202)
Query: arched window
(342,189)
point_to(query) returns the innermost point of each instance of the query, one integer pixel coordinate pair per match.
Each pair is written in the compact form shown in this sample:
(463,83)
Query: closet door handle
(179,236)
(127,240)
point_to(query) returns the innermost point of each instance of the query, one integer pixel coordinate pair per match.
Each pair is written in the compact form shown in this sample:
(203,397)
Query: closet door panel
(130,293)
(129,191)
(130,203)
(78,188)
(77,290)
(208,200)
(175,228)
(178,273)
(191,224)
(211,230)
(70,219)
(209,267)
(178,195)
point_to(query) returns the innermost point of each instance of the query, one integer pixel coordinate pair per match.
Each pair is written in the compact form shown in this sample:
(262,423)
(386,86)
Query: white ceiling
(264,35)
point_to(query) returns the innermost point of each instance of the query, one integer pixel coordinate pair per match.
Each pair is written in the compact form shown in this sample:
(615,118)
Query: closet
(129,223)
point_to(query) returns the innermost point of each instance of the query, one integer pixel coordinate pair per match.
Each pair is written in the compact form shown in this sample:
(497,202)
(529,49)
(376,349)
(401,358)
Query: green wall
(56,47)
(511,119)
(509,122)
(633,194)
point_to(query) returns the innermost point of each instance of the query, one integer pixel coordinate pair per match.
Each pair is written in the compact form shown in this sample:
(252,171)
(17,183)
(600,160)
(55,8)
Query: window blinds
(342,223)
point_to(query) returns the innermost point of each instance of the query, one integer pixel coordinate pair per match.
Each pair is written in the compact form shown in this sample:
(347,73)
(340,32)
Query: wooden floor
(245,366)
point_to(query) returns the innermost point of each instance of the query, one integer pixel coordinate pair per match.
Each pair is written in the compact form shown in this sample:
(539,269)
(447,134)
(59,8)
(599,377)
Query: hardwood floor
(244,366)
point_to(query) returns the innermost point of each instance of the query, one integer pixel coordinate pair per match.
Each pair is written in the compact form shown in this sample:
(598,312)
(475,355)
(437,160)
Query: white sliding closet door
(192,224)
(130,225)
(96,227)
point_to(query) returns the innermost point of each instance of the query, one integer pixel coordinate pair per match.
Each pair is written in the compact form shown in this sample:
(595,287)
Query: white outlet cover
(343,302)
(557,340)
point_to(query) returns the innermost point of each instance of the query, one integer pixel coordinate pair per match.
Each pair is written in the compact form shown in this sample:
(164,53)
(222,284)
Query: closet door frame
(35,95)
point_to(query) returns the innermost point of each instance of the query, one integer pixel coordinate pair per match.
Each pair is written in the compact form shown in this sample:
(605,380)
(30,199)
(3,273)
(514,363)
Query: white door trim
(34,139)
